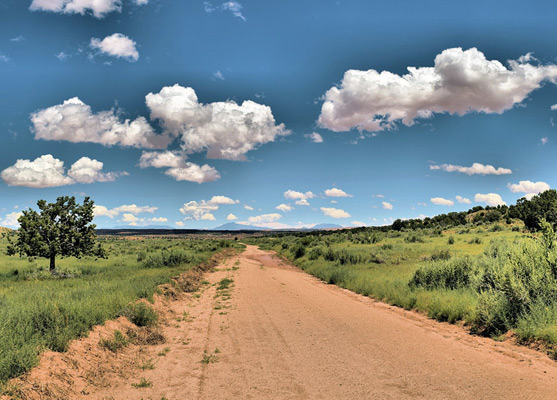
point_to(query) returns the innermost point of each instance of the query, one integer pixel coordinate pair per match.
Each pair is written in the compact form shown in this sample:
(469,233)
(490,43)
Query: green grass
(38,311)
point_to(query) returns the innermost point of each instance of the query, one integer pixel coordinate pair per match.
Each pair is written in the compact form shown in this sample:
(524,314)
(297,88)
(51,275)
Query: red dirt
(286,335)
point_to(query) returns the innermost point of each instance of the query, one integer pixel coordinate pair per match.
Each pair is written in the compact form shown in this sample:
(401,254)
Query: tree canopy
(60,229)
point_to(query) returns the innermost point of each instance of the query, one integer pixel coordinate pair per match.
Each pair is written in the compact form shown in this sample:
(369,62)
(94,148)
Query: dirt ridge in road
(279,333)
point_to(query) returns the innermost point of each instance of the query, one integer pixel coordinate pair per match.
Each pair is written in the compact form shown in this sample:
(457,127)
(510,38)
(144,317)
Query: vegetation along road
(263,329)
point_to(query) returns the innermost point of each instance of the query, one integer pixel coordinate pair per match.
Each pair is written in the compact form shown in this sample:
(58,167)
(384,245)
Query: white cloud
(491,199)
(225,130)
(208,217)
(86,170)
(218,75)
(284,207)
(358,223)
(386,205)
(302,202)
(116,45)
(179,223)
(75,122)
(335,212)
(293,195)
(99,8)
(11,219)
(47,171)
(460,82)
(264,218)
(529,188)
(62,56)
(102,211)
(194,173)
(231,217)
(232,6)
(249,208)
(17,39)
(141,2)
(554,107)
(129,218)
(463,200)
(222,200)
(334,192)
(315,137)
(159,219)
(441,201)
(179,169)
(544,140)
(4,58)
(379,196)
(475,169)
(196,210)
(162,159)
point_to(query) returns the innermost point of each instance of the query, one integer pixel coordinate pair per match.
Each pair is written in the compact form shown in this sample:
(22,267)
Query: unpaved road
(283,334)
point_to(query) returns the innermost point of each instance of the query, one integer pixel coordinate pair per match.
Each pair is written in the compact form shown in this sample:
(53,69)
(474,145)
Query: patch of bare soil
(275,332)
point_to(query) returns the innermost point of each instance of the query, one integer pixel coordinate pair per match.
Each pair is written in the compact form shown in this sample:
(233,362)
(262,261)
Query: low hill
(233,226)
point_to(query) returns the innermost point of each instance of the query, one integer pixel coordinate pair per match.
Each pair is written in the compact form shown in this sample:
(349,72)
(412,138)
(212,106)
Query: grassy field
(493,277)
(39,311)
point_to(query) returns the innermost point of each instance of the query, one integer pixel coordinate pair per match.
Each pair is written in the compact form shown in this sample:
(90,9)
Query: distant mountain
(233,226)
(166,227)
(326,226)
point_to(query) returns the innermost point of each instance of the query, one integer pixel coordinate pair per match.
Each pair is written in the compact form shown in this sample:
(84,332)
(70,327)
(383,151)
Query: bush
(141,314)
(447,274)
(450,240)
(168,259)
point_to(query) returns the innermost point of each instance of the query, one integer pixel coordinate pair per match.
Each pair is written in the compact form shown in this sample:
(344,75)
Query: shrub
(447,274)
(450,240)
(141,314)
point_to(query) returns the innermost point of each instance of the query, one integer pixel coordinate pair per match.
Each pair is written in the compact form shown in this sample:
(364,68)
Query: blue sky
(188,113)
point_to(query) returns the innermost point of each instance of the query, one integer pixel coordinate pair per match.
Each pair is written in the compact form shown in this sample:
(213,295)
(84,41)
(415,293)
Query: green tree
(60,229)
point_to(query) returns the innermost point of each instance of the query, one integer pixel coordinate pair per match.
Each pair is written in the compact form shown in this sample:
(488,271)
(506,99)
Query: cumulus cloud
(231,217)
(293,195)
(116,45)
(440,201)
(491,199)
(335,212)
(47,171)
(75,122)
(179,168)
(302,202)
(460,82)
(222,200)
(315,137)
(554,107)
(133,209)
(225,130)
(334,192)
(208,217)
(99,8)
(284,207)
(249,208)
(179,223)
(544,140)
(194,173)
(475,169)
(86,170)
(529,188)
(463,200)
(11,219)
(197,210)
(386,205)
(358,223)
(264,218)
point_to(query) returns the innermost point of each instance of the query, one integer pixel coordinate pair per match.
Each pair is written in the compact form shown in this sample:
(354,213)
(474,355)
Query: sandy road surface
(282,334)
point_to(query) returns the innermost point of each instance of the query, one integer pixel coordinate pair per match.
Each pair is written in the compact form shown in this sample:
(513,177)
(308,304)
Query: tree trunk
(52,263)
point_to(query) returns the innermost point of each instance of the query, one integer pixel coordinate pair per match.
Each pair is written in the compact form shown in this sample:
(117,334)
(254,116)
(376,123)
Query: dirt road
(279,333)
